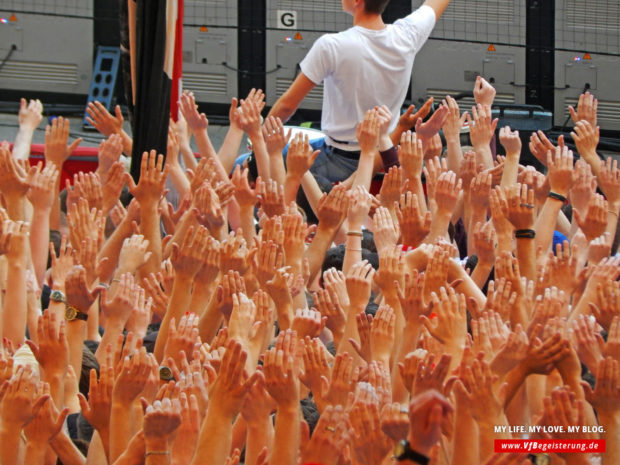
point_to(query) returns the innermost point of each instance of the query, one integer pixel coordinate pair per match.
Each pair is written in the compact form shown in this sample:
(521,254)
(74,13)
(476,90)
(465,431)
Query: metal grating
(206,82)
(588,25)
(220,13)
(83,8)
(50,73)
(486,21)
(315,95)
(316,15)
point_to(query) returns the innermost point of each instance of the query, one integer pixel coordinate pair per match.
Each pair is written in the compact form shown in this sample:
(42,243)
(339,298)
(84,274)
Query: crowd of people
(200,314)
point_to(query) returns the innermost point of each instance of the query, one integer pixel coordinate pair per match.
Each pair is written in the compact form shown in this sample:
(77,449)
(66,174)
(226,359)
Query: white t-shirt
(362,68)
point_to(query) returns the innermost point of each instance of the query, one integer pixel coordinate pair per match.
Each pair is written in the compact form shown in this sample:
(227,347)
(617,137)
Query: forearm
(209,322)
(76,333)
(511,170)
(312,190)
(10,442)
(39,242)
(350,332)
(149,226)
(291,186)
(283,109)
(455,154)
(201,296)
(439,226)
(481,273)
(259,435)
(230,148)
(21,146)
(120,428)
(287,436)
(111,249)
(15,309)
(177,305)
(466,436)
(155,452)
(353,251)
(612,220)
(215,437)
(611,424)
(15,207)
(179,179)
(262,157)
(276,167)
(246,218)
(55,211)
(206,150)
(484,156)
(35,453)
(113,328)
(545,223)
(408,343)
(315,253)
(526,254)
(67,452)
(363,176)
(188,156)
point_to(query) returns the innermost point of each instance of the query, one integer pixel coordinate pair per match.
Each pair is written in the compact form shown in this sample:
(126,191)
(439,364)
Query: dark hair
(88,362)
(310,412)
(375,6)
(334,258)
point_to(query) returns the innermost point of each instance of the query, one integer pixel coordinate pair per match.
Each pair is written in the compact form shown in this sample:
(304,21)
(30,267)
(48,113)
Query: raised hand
(275,136)
(195,121)
(586,109)
(560,166)
(56,137)
(451,323)
(109,152)
(246,196)
(101,119)
(414,224)
(150,187)
(30,114)
(482,127)
(593,221)
(187,259)
(281,380)
(359,282)
(42,185)
(484,93)
(411,155)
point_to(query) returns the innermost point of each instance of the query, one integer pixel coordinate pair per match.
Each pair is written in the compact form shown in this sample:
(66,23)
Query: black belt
(352,155)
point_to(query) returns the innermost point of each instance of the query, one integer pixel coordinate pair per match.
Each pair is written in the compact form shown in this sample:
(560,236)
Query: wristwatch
(403,451)
(165,373)
(58,296)
(72,313)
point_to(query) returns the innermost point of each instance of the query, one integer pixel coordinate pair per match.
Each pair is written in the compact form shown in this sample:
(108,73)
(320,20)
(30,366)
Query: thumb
(74,145)
(118,112)
(61,419)
(83,403)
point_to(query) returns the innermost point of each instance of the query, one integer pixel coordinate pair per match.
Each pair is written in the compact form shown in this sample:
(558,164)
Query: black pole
(540,54)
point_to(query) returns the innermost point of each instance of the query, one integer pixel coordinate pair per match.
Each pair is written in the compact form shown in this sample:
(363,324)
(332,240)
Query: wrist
(156,444)
(385,143)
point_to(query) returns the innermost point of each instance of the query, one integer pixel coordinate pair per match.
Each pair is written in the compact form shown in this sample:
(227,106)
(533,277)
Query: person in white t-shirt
(365,66)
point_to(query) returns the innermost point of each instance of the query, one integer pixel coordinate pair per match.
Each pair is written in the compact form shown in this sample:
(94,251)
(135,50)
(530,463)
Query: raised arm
(287,104)
(439,6)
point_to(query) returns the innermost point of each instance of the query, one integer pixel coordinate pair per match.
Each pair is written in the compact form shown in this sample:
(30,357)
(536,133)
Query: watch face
(165,373)
(400,448)
(57,296)
(70,313)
